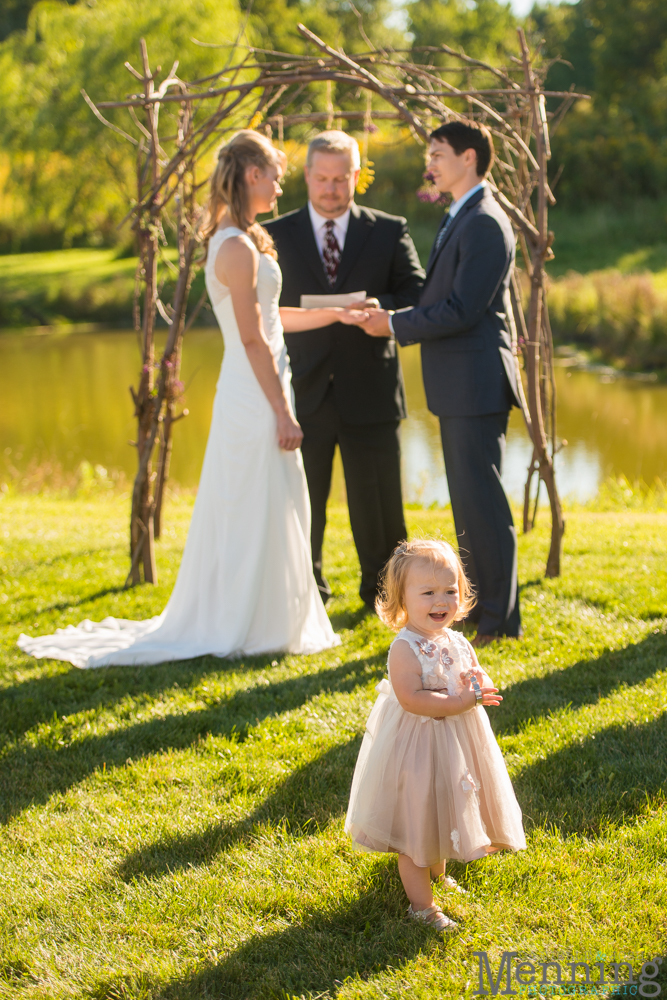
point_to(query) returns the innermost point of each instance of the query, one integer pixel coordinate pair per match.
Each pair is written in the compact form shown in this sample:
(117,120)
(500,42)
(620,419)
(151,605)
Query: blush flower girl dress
(432,789)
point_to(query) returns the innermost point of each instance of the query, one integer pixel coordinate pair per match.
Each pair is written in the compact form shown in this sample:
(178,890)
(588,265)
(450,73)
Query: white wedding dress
(245,583)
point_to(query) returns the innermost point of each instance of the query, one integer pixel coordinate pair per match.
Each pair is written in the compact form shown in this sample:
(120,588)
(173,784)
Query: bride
(245,583)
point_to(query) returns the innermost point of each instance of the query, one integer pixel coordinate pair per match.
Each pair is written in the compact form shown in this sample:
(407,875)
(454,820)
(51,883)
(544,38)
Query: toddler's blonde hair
(390,605)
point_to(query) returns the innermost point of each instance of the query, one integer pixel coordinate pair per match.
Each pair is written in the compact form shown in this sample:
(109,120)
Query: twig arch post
(264,89)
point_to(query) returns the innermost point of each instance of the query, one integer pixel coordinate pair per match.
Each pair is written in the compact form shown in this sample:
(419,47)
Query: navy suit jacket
(379,258)
(460,322)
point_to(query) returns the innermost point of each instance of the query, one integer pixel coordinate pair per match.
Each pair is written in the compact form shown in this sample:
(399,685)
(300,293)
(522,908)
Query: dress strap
(411,639)
(220,235)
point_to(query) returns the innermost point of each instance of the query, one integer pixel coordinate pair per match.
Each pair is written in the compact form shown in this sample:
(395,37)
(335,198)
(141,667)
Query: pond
(66,399)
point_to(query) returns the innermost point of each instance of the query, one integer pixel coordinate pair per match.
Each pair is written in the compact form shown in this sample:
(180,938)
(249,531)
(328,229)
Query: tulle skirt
(431,789)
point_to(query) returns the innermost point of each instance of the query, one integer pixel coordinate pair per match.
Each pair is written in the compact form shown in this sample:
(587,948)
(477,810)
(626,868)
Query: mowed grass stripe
(177,831)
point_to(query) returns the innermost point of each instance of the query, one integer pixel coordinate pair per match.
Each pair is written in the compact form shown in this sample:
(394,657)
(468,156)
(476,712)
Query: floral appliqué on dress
(439,658)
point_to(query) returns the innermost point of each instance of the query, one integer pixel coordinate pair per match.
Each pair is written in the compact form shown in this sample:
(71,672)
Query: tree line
(64,178)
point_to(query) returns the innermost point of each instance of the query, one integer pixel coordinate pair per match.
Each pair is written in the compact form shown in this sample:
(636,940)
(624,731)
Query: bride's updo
(228,188)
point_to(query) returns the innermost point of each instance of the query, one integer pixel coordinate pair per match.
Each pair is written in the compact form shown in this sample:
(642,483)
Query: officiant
(348,387)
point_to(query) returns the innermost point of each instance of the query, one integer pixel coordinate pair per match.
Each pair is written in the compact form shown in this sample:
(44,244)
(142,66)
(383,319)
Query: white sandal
(433,917)
(447,882)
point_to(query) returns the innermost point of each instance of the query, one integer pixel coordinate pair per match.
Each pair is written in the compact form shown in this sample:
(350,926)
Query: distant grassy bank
(61,287)
(609,283)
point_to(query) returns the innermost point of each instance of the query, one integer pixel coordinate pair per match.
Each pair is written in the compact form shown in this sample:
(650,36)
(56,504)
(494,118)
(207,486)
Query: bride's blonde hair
(228,186)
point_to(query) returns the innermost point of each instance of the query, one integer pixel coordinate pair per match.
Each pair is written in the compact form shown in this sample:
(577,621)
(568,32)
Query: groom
(348,388)
(468,367)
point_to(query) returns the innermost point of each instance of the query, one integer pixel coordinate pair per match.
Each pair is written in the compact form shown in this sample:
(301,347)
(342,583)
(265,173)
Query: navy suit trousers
(474,449)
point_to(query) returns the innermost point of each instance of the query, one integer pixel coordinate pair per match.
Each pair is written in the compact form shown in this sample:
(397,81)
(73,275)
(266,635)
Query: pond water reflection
(65,398)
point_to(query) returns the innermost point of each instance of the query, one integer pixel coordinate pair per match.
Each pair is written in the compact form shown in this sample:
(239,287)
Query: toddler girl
(430,781)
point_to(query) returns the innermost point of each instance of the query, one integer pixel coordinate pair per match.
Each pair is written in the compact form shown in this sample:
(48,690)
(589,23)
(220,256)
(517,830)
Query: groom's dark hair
(468,135)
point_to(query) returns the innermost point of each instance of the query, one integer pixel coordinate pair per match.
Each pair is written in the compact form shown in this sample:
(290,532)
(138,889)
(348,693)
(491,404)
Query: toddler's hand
(490,694)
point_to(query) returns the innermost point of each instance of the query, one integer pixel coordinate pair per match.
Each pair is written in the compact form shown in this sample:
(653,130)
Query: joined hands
(356,315)
(375,321)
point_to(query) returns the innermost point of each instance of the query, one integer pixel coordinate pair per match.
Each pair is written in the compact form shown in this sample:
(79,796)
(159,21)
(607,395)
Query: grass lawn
(177,831)
(38,289)
(628,238)
(68,286)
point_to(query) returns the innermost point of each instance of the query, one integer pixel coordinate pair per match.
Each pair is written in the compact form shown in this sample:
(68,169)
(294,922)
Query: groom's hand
(377,324)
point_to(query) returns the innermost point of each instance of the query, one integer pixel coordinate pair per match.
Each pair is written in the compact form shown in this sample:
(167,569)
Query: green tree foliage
(273,23)
(70,176)
(616,50)
(14,16)
(66,178)
(485,29)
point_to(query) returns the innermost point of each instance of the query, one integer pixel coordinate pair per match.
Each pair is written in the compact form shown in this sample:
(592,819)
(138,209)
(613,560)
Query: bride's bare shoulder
(236,257)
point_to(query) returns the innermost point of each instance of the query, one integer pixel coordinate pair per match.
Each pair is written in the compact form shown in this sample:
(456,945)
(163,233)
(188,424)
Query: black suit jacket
(379,258)
(460,321)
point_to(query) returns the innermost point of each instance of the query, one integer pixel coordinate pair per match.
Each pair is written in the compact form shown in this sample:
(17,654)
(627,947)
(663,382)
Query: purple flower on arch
(429,193)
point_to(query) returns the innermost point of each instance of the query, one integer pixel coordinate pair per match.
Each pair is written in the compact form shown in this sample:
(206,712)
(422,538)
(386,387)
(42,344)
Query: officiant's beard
(331,181)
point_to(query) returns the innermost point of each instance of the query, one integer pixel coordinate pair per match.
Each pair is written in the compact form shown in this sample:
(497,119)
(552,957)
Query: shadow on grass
(355,939)
(660,979)
(350,618)
(31,774)
(599,780)
(360,940)
(69,558)
(76,602)
(305,802)
(37,700)
(583,683)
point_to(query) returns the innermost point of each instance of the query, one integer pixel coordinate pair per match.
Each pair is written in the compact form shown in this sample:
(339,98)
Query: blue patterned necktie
(443,232)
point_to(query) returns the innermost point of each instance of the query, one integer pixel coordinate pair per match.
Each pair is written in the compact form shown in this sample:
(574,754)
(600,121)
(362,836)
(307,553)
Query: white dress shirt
(454,208)
(319,222)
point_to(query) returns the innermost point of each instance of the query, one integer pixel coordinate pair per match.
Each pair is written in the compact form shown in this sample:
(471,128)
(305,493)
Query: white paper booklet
(322,301)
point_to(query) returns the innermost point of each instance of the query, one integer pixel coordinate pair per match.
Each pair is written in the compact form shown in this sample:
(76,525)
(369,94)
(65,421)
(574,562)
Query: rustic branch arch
(273,91)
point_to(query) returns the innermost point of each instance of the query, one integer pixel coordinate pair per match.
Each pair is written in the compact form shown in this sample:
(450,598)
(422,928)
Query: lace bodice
(442,659)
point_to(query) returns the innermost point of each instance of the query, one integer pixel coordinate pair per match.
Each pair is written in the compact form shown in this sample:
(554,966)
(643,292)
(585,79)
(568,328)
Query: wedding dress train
(245,583)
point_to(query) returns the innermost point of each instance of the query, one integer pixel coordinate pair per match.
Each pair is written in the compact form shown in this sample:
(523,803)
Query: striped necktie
(443,232)
(330,253)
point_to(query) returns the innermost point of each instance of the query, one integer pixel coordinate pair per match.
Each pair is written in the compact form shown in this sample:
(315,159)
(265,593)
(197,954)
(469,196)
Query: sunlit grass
(627,237)
(61,287)
(176,831)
